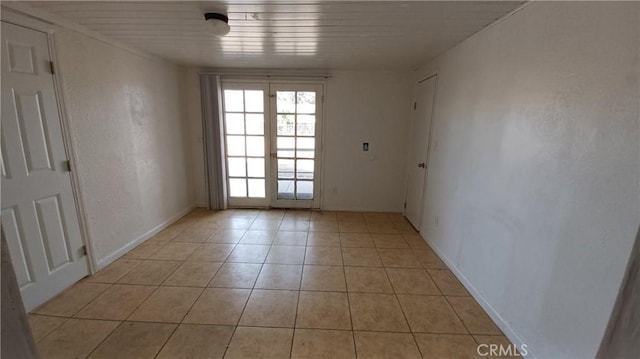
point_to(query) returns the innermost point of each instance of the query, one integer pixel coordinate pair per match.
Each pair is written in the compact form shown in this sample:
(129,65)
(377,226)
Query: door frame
(15,17)
(429,145)
(266,81)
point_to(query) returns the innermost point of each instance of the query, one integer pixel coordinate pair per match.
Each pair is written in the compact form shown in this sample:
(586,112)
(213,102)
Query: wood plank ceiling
(289,33)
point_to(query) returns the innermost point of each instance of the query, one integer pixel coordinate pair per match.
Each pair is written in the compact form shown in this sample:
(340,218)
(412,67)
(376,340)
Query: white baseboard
(129,246)
(357,209)
(495,316)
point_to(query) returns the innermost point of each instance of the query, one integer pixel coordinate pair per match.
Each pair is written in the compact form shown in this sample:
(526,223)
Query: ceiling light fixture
(218,23)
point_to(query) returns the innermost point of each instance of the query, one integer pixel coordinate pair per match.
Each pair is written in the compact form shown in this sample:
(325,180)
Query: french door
(272,144)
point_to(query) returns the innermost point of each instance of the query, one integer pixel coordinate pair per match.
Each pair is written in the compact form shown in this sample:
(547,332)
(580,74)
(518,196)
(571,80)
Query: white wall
(360,106)
(534,172)
(127,115)
(374,107)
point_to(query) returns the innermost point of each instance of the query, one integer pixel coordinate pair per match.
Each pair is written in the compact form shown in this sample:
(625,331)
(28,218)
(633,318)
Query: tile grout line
(295,321)
(346,288)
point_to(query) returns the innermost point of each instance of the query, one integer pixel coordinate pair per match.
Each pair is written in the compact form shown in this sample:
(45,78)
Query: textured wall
(128,125)
(372,106)
(535,168)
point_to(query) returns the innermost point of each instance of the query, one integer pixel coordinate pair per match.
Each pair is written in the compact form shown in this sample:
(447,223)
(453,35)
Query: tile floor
(270,284)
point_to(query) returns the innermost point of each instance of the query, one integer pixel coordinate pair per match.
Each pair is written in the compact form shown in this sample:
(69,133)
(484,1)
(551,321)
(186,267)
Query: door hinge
(405,205)
(83,250)
(52,68)
(415,105)
(67,165)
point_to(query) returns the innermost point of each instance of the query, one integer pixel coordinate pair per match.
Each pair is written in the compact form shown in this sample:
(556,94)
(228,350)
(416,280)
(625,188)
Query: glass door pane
(296,111)
(244,127)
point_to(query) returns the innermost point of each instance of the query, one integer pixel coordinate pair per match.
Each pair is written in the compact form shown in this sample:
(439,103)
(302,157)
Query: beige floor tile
(399,258)
(265,224)
(226,236)
(197,341)
(386,345)
(323,256)
(323,226)
(430,314)
(367,279)
(286,255)
(167,234)
(367,257)
(429,259)
(411,281)
(447,282)
(248,253)
(389,241)
(323,239)
(350,217)
(270,308)
(322,344)
(272,343)
(150,272)
(323,310)
(323,278)
(324,216)
(234,223)
(376,312)
(447,346)
(236,275)
(258,237)
(177,251)
(117,303)
(76,338)
(279,276)
(353,227)
(218,306)
(294,225)
(376,217)
(290,238)
(271,214)
(356,240)
(212,252)
(42,325)
(194,235)
(166,305)
(415,241)
(193,274)
(405,227)
(296,214)
(134,340)
(498,341)
(73,299)
(145,250)
(474,317)
(385,227)
(114,271)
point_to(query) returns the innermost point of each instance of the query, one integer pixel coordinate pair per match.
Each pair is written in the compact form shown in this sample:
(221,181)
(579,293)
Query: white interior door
(296,118)
(39,218)
(247,143)
(419,151)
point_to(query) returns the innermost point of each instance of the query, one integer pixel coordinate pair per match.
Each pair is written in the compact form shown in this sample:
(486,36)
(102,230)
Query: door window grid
(244,127)
(295,143)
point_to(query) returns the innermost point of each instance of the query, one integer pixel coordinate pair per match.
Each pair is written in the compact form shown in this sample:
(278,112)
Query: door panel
(419,151)
(246,144)
(39,218)
(297,110)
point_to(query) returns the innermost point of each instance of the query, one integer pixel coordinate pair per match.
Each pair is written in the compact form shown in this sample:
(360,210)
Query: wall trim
(508,331)
(145,236)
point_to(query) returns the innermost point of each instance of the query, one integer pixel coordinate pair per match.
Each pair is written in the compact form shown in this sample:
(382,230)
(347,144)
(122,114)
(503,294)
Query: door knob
(421,165)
